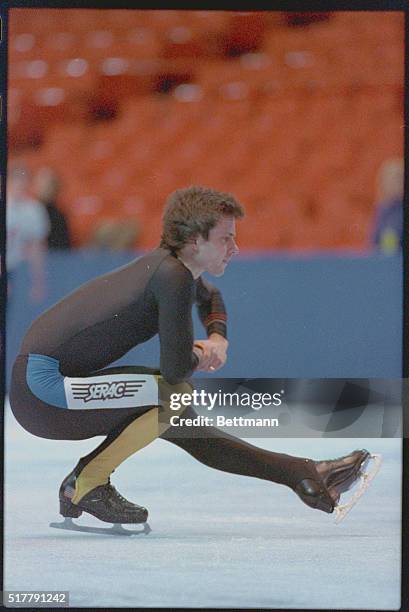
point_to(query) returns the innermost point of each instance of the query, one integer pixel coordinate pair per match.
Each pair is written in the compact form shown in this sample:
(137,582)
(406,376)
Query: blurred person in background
(46,189)
(27,228)
(115,235)
(387,233)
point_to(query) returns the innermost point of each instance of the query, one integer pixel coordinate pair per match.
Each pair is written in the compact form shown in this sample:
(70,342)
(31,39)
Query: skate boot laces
(118,496)
(112,491)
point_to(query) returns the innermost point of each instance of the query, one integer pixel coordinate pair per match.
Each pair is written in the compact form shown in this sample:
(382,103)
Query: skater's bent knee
(174,400)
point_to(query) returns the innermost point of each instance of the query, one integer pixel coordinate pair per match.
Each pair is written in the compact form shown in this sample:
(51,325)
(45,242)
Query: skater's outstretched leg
(318,483)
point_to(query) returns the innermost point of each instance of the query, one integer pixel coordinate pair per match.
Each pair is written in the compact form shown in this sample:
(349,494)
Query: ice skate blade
(364,479)
(116,529)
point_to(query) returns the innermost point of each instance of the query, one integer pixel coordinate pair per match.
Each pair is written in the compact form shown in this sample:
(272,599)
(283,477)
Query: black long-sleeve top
(106,317)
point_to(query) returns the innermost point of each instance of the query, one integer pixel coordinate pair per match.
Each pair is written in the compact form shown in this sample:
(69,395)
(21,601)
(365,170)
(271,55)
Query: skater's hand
(212,353)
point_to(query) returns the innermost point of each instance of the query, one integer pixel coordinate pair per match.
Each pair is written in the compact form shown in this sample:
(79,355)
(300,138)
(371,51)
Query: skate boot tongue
(120,498)
(340,474)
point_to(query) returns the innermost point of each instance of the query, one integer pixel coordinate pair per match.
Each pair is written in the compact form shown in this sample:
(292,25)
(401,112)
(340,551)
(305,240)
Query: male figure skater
(62,388)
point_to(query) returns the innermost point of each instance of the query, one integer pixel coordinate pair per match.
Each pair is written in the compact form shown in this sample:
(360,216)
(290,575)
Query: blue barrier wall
(288,317)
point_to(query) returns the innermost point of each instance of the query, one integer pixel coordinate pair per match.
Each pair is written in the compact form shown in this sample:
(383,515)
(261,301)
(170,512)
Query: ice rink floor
(217,540)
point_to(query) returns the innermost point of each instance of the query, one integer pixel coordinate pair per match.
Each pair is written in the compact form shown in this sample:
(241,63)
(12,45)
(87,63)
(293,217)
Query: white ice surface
(218,540)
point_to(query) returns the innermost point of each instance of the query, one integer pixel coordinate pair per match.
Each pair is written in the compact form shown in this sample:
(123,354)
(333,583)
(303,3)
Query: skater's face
(213,255)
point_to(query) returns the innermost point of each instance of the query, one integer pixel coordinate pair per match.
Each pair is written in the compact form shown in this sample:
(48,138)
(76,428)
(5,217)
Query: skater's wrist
(215,337)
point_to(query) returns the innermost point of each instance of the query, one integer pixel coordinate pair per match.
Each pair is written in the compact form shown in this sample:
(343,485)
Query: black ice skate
(105,503)
(337,476)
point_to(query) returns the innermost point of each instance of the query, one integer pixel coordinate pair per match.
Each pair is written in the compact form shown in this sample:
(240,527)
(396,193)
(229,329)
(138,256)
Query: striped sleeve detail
(211,308)
(214,317)
(217,327)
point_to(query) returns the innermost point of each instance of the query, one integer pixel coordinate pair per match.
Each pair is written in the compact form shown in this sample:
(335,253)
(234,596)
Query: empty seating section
(128,105)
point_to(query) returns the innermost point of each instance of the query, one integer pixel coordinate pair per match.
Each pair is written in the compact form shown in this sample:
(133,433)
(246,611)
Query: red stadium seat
(129,105)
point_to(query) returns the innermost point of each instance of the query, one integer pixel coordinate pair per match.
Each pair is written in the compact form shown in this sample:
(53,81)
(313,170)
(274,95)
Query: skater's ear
(190,247)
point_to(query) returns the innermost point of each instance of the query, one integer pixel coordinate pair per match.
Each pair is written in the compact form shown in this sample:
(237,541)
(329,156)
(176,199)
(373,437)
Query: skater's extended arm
(173,288)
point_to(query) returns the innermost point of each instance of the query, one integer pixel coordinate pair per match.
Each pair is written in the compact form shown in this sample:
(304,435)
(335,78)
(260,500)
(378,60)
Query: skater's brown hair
(195,211)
